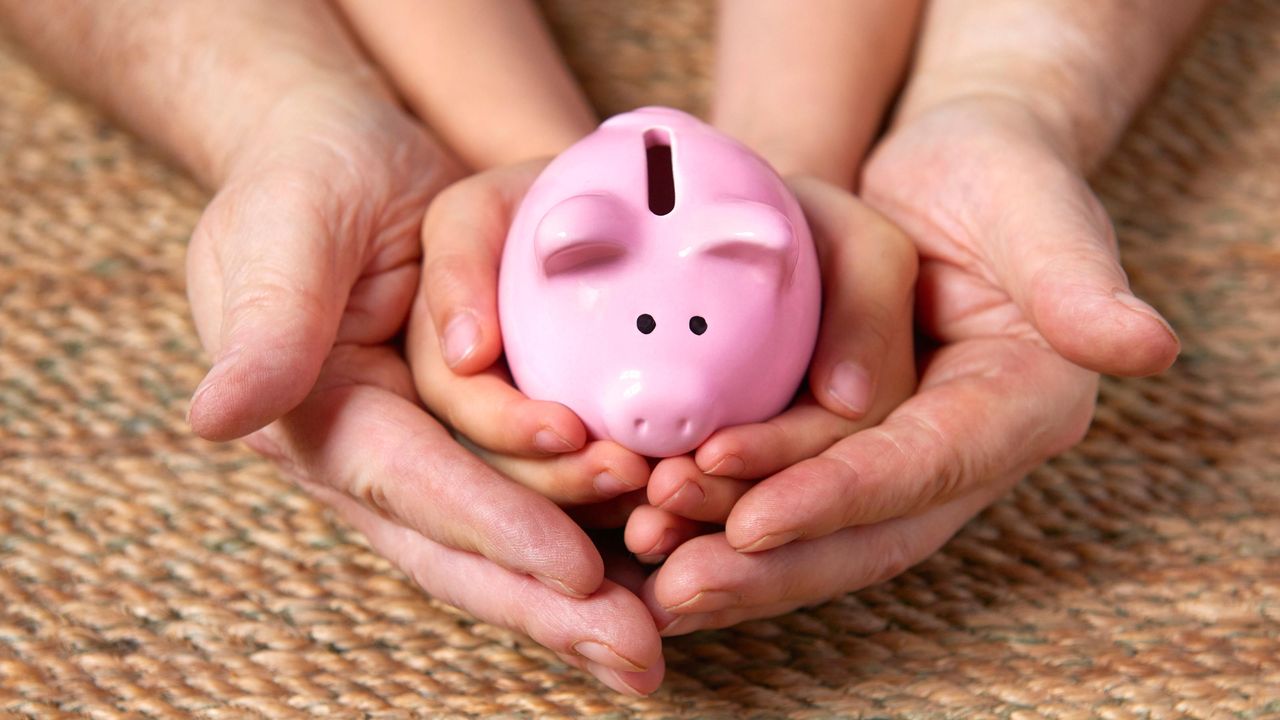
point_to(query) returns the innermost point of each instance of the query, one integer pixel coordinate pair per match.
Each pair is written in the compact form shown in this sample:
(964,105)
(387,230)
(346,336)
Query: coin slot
(661,174)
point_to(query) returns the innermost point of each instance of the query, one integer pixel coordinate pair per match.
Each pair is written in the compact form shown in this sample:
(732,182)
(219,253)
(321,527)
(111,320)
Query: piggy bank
(659,279)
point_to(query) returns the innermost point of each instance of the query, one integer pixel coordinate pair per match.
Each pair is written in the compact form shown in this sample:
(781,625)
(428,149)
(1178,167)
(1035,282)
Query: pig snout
(658,414)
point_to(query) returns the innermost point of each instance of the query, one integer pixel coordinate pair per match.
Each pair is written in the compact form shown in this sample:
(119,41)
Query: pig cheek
(745,340)
(588,336)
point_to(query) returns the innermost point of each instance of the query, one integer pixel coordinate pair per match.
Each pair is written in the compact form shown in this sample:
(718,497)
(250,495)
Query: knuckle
(272,289)
(384,482)
(427,575)
(446,275)
(461,195)
(731,442)
(471,197)
(1075,426)
(1077,264)
(895,555)
(941,469)
(832,429)
(776,439)
(372,492)
(272,443)
(875,331)
(498,537)
(559,485)
(900,255)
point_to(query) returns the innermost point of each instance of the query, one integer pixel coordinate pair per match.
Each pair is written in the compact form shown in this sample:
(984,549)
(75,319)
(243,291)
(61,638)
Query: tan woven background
(144,573)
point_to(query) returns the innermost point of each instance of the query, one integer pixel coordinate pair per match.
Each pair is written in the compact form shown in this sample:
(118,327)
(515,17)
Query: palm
(958,178)
(972,182)
(352,181)
(302,273)
(1003,227)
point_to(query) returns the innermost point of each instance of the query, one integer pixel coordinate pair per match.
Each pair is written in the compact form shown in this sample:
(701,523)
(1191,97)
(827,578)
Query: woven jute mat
(146,573)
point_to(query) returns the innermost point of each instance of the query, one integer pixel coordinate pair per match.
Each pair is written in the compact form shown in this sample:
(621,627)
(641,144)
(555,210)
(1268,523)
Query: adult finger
(358,434)
(1055,252)
(706,583)
(987,409)
(609,634)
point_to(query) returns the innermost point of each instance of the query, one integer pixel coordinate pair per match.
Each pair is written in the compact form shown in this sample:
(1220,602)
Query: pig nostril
(685,426)
(641,425)
(645,323)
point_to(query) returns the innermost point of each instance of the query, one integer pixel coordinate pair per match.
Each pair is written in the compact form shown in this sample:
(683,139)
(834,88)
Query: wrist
(194,79)
(1073,114)
(291,120)
(1081,69)
(251,103)
(343,143)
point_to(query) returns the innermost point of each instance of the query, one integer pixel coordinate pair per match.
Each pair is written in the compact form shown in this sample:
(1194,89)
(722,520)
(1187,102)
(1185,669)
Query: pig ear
(583,231)
(751,233)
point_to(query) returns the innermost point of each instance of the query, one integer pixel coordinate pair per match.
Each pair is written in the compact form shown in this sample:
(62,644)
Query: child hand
(863,367)
(454,346)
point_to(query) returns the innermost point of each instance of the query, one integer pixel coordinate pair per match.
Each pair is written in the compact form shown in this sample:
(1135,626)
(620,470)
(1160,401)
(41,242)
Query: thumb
(462,239)
(267,287)
(1054,251)
(862,365)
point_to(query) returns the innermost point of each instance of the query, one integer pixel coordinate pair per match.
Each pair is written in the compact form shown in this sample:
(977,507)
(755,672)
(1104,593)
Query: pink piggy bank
(659,279)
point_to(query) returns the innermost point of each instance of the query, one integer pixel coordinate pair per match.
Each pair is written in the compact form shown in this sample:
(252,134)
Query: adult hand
(1022,288)
(302,271)
(862,369)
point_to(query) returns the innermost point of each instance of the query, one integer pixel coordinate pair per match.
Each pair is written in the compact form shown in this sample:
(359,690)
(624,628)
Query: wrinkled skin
(1018,278)
(302,272)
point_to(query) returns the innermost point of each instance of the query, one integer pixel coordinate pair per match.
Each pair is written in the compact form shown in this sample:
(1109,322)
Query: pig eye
(698,324)
(645,323)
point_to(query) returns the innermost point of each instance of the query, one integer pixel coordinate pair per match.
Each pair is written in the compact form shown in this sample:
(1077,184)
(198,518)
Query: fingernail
(1131,301)
(665,544)
(557,586)
(684,623)
(221,366)
(850,385)
(729,465)
(550,441)
(708,601)
(612,678)
(604,655)
(610,485)
(690,496)
(461,336)
(768,542)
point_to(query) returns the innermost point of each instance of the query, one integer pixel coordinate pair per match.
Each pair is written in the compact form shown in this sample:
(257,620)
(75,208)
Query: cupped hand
(454,346)
(863,367)
(301,274)
(1021,287)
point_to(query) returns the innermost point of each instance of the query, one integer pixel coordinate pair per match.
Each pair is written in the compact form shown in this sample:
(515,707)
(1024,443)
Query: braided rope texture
(145,573)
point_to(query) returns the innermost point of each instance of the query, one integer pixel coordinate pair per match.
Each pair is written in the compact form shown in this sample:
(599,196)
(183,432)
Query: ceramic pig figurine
(659,280)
